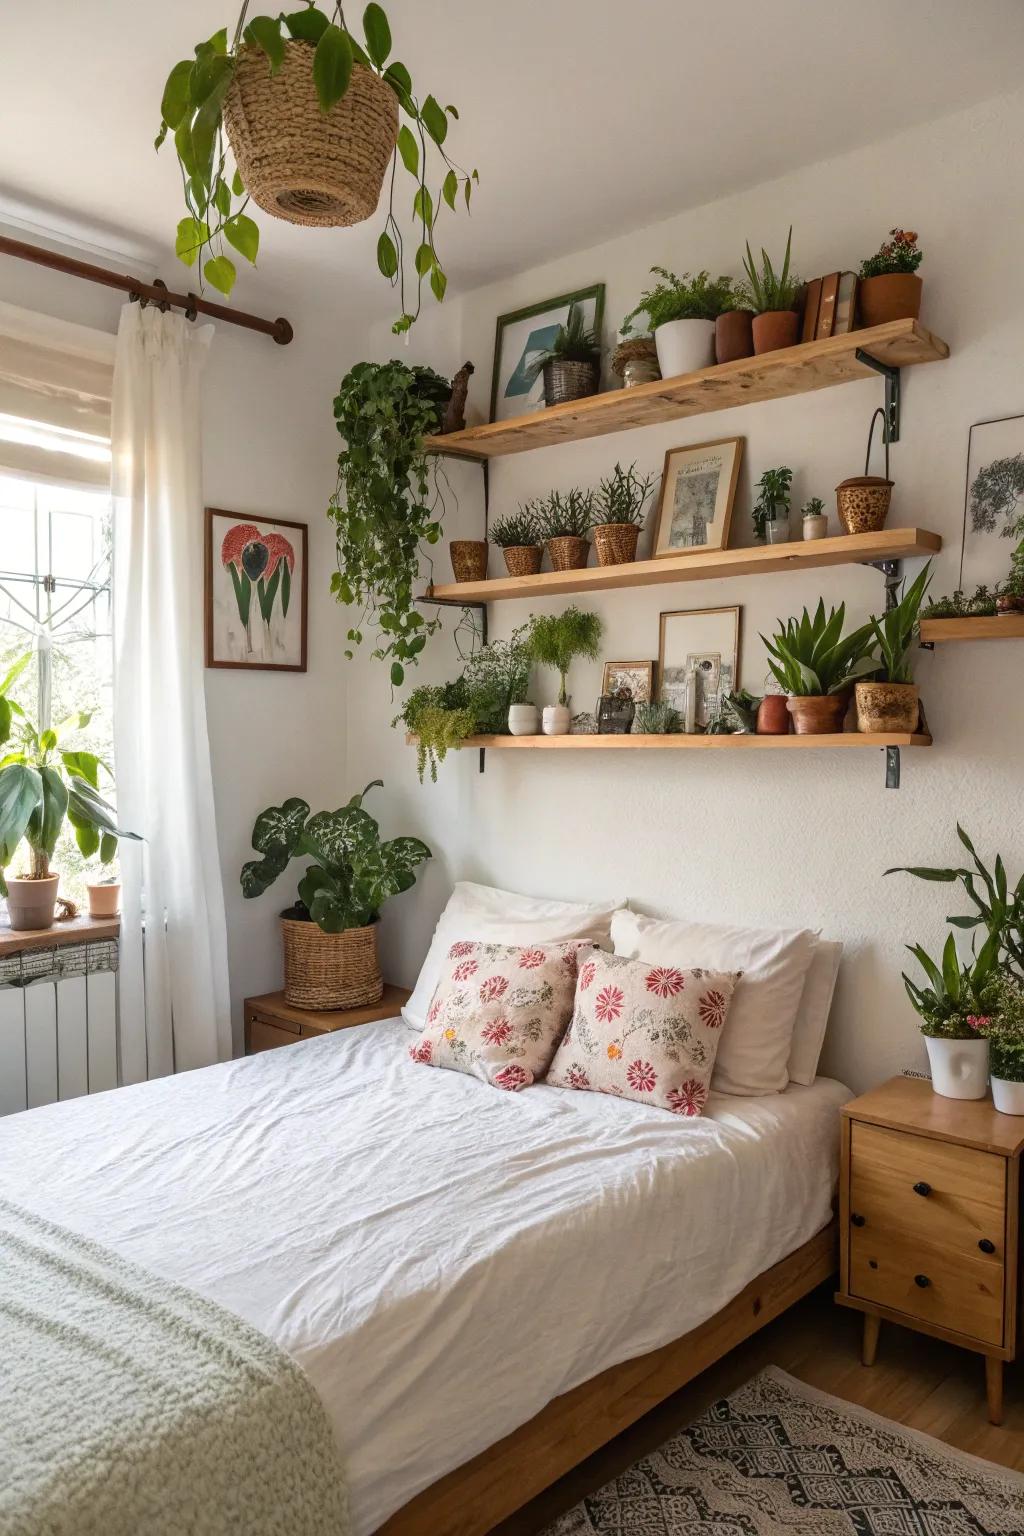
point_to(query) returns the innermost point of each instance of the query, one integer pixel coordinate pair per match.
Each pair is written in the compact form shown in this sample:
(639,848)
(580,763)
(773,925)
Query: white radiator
(58,1024)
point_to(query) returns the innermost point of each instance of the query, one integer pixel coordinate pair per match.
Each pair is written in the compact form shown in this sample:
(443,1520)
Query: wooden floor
(917,1381)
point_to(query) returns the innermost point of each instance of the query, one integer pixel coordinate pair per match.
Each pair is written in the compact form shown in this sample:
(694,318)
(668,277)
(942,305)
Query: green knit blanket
(131,1407)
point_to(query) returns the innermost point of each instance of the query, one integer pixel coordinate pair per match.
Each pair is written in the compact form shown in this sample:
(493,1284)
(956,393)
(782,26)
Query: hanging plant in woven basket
(311,116)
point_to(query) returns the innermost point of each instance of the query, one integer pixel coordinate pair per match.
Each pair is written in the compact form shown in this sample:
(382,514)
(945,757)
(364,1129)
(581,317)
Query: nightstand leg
(869,1346)
(994,1388)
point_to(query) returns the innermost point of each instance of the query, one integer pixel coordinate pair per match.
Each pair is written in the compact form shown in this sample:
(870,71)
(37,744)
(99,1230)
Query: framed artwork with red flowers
(256,583)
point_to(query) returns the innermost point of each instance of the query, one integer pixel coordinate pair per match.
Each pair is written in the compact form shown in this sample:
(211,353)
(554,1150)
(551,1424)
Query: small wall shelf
(1003,626)
(772,376)
(684,743)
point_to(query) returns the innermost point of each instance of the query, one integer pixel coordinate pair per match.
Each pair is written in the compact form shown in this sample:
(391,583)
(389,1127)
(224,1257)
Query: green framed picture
(524,333)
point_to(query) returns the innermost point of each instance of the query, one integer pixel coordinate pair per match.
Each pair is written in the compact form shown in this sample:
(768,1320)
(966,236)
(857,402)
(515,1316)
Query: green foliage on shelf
(899,253)
(655,717)
(767,290)
(773,491)
(813,508)
(575,342)
(442,716)
(556,639)
(568,514)
(516,529)
(960,998)
(898,631)
(699,297)
(1006,1032)
(811,658)
(622,496)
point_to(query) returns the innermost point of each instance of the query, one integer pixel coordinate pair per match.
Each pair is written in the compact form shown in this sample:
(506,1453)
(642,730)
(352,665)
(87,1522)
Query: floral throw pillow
(500,1010)
(644,1032)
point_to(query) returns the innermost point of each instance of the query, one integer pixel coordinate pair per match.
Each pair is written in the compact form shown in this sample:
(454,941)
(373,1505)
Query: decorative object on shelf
(556,719)
(681,312)
(517,536)
(892,702)
(815,522)
(517,389)
(655,717)
(454,419)
(442,716)
(523,719)
(890,288)
(773,297)
(773,716)
(382,509)
(555,640)
(571,366)
(698,488)
(255,592)
(635,676)
(583,724)
(330,936)
(312,118)
(770,513)
(469,559)
(863,501)
(817,666)
(830,306)
(734,335)
(636,362)
(703,643)
(993,499)
(615,712)
(740,711)
(563,521)
(955,1009)
(618,514)
(104,897)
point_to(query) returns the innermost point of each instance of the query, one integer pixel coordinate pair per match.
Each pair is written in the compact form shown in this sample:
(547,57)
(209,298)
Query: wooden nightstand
(270,1021)
(930,1206)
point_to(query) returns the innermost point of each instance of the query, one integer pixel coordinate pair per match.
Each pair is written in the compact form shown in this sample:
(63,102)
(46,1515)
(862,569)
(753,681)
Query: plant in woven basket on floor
(681,312)
(564,520)
(572,364)
(891,702)
(619,504)
(311,113)
(330,941)
(517,535)
(817,667)
(555,640)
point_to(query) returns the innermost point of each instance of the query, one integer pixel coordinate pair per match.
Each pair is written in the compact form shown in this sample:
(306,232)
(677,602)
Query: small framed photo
(637,676)
(993,502)
(522,336)
(706,640)
(256,577)
(698,489)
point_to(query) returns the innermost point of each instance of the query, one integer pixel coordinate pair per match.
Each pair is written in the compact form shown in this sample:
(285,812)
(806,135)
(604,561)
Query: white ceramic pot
(959,1067)
(816,527)
(684,346)
(1008,1097)
(522,719)
(556,719)
(777,531)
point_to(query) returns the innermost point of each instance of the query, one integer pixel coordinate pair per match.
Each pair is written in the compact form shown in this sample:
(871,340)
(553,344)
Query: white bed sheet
(441,1258)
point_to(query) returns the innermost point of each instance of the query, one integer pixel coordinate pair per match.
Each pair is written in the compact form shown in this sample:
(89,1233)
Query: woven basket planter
(568,553)
(469,559)
(330,970)
(523,559)
(299,163)
(569,381)
(863,503)
(615,543)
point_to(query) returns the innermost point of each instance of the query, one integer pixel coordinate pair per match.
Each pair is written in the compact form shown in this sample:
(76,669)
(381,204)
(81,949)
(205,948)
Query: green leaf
(409,150)
(309,25)
(397,670)
(403,324)
(467,190)
(423,205)
(86,807)
(108,848)
(176,98)
(438,285)
(184,147)
(387,257)
(244,235)
(377,34)
(53,808)
(192,235)
(424,259)
(14,672)
(399,78)
(222,198)
(88,840)
(220,273)
(265,32)
(211,76)
(6,715)
(21,791)
(452,111)
(237,184)
(332,66)
(434,119)
(450,189)
(47,741)
(951,968)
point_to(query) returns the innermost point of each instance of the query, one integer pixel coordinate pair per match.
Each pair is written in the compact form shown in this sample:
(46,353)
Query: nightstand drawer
(267,1037)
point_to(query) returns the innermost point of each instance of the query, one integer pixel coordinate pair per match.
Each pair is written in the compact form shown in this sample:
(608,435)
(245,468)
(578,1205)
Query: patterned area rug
(778,1457)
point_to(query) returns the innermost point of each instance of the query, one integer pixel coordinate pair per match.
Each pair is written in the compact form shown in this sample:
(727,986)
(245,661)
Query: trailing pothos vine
(216,198)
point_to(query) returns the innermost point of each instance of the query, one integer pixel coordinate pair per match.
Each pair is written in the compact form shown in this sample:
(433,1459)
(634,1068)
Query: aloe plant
(768,290)
(810,657)
(896,632)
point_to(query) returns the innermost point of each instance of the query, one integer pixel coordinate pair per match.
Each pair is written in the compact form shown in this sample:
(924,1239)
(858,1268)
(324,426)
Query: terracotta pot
(773,715)
(568,553)
(615,543)
(104,900)
(469,559)
(892,296)
(523,559)
(818,715)
(776,329)
(885,707)
(30,903)
(734,336)
(863,503)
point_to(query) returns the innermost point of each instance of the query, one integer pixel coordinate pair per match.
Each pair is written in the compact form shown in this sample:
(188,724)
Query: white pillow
(812,1016)
(753,1054)
(485,914)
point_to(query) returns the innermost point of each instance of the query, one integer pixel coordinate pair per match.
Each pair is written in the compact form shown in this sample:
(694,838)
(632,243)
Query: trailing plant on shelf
(773,491)
(352,874)
(767,291)
(568,515)
(699,297)
(556,639)
(442,716)
(386,505)
(622,497)
(900,253)
(320,57)
(516,530)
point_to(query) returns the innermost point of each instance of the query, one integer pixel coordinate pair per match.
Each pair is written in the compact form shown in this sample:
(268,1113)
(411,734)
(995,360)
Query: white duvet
(440,1257)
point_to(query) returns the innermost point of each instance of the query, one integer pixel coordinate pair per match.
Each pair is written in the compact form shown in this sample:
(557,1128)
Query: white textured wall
(787,839)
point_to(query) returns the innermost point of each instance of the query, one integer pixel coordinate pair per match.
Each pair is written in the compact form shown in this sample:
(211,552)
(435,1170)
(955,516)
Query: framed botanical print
(637,676)
(698,489)
(255,592)
(706,640)
(521,336)
(993,501)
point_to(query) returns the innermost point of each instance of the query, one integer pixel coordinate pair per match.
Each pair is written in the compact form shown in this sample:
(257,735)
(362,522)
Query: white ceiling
(585,117)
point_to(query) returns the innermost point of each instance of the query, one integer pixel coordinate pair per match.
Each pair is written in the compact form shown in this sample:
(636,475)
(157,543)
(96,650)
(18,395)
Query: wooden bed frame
(478,1495)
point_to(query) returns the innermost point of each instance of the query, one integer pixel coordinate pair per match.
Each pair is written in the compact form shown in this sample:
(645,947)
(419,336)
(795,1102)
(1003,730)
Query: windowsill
(76,930)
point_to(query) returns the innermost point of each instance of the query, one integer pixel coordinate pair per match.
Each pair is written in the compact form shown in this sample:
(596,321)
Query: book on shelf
(844,318)
(827,305)
(812,298)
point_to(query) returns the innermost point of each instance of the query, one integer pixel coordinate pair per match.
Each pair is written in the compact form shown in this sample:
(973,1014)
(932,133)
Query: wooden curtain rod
(155,292)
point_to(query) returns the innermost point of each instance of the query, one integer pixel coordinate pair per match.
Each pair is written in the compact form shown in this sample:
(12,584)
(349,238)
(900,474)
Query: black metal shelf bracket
(892,767)
(891,376)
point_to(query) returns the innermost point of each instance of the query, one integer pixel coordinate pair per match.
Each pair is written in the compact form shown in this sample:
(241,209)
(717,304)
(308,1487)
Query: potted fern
(516,535)
(817,667)
(681,311)
(564,522)
(772,296)
(892,702)
(572,364)
(555,640)
(619,514)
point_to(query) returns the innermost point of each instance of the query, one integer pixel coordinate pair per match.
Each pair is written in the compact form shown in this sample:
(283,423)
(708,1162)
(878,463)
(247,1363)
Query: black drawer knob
(856,1220)
(986,1245)
(922,1281)
(922,1188)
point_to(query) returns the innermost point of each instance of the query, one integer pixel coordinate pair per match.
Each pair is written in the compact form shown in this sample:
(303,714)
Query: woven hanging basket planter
(330,970)
(615,542)
(297,162)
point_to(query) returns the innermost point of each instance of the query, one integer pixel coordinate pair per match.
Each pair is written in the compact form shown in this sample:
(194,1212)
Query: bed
(443,1260)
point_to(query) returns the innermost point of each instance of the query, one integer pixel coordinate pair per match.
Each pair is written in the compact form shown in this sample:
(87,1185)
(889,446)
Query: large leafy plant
(812,658)
(42,784)
(700,297)
(216,199)
(353,872)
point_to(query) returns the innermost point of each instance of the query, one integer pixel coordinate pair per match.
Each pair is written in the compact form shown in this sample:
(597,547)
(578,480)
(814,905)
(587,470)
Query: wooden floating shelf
(772,376)
(702,565)
(1003,626)
(685,743)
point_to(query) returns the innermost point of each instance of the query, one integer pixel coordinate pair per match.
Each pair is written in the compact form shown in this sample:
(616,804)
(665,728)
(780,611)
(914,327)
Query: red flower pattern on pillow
(529,959)
(421,1051)
(464,970)
(575,1077)
(513,1077)
(665,981)
(460,950)
(689,1098)
(641,1076)
(496,1033)
(586,974)
(609,1004)
(713,1006)
(492,987)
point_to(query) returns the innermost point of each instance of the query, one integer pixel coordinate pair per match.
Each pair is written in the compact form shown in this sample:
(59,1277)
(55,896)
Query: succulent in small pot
(955,1010)
(815,522)
(772,296)
(619,514)
(770,513)
(889,287)
(656,717)
(572,364)
(891,702)
(517,536)
(817,666)
(564,520)
(682,312)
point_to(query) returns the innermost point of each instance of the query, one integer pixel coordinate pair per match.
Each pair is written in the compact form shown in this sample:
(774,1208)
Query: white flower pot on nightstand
(522,719)
(959,1067)
(556,720)
(684,346)
(1008,1097)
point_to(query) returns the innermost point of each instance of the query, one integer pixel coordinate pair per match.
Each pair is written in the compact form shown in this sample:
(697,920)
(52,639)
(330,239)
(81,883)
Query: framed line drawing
(698,489)
(255,592)
(993,500)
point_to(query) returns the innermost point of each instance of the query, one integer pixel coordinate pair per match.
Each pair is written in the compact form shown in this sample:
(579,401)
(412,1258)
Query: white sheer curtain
(174,1002)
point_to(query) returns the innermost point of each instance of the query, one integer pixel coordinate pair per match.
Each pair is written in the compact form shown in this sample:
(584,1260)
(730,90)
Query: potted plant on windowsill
(817,666)
(619,514)
(772,296)
(572,364)
(889,287)
(955,1010)
(771,509)
(892,702)
(681,312)
(555,640)
(564,520)
(330,935)
(516,535)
